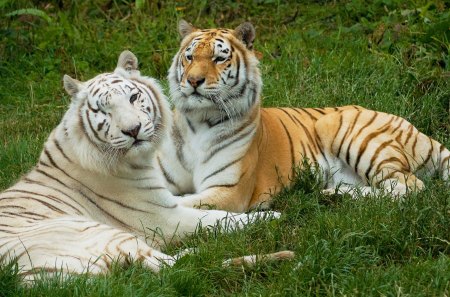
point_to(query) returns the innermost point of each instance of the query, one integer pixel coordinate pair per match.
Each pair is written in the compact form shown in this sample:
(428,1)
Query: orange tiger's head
(215,71)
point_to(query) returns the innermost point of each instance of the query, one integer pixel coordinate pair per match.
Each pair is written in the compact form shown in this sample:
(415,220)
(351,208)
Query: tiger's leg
(392,177)
(343,180)
(190,218)
(382,150)
(424,155)
(76,245)
(408,153)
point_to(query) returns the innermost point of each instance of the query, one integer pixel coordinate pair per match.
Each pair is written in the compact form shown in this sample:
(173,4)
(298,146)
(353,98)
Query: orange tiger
(227,151)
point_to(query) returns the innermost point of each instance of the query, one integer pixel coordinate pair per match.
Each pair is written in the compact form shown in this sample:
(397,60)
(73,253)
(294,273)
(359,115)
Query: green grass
(387,55)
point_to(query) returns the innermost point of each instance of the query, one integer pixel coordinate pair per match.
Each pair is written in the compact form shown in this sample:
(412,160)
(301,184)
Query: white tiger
(94,191)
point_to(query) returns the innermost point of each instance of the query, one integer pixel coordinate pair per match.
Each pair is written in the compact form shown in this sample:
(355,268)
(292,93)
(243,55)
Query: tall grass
(391,56)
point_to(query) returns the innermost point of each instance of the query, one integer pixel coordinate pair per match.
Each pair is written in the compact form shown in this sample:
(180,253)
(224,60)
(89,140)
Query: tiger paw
(268,215)
(253,217)
(329,191)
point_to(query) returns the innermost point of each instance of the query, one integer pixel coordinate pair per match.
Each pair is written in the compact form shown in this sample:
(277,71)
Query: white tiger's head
(215,71)
(121,116)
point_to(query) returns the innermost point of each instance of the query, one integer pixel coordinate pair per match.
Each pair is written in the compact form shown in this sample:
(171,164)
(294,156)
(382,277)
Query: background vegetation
(387,55)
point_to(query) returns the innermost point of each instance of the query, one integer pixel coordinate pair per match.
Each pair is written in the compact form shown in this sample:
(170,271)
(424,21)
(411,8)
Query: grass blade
(31,11)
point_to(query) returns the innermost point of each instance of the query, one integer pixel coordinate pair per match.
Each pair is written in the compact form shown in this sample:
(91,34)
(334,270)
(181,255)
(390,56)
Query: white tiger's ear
(184,28)
(245,32)
(71,85)
(127,61)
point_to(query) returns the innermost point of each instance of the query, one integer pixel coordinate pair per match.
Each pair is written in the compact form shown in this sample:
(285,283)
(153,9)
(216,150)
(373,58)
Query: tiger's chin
(141,147)
(138,143)
(136,157)
(195,102)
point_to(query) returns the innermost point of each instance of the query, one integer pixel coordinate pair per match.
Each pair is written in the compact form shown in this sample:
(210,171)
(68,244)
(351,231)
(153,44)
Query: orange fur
(235,155)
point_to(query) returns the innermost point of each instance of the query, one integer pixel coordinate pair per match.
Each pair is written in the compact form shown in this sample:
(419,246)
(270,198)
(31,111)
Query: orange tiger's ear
(184,28)
(245,32)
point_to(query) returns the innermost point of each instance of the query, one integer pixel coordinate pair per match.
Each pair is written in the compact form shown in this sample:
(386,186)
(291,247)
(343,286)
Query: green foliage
(387,55)
(9,278)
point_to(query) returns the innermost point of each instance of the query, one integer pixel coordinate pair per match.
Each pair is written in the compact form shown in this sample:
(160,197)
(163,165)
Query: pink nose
(133,132)
(195,81)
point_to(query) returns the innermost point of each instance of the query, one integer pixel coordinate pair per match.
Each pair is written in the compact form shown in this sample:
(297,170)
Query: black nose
(133,132)
(196,81)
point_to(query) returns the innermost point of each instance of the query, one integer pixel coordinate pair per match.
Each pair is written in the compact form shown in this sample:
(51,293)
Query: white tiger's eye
(133,98)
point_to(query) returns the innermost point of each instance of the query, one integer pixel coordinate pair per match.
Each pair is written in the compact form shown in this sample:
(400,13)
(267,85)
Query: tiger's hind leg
(76,245)
(343,180)
(384,151)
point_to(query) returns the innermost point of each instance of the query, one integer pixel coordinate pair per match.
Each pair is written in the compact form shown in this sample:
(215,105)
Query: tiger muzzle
(196,81)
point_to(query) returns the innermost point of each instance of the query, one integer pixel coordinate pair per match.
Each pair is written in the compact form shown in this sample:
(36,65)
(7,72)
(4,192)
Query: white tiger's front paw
(230,222)
(253,217)
(270,214)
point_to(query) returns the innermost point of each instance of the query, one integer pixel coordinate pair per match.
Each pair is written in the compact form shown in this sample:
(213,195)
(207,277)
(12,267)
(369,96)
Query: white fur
(82,207)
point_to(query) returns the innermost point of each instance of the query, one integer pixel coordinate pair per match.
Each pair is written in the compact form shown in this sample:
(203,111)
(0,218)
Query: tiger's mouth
(200,95)
(138,142)
(195,96)
(194,92)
